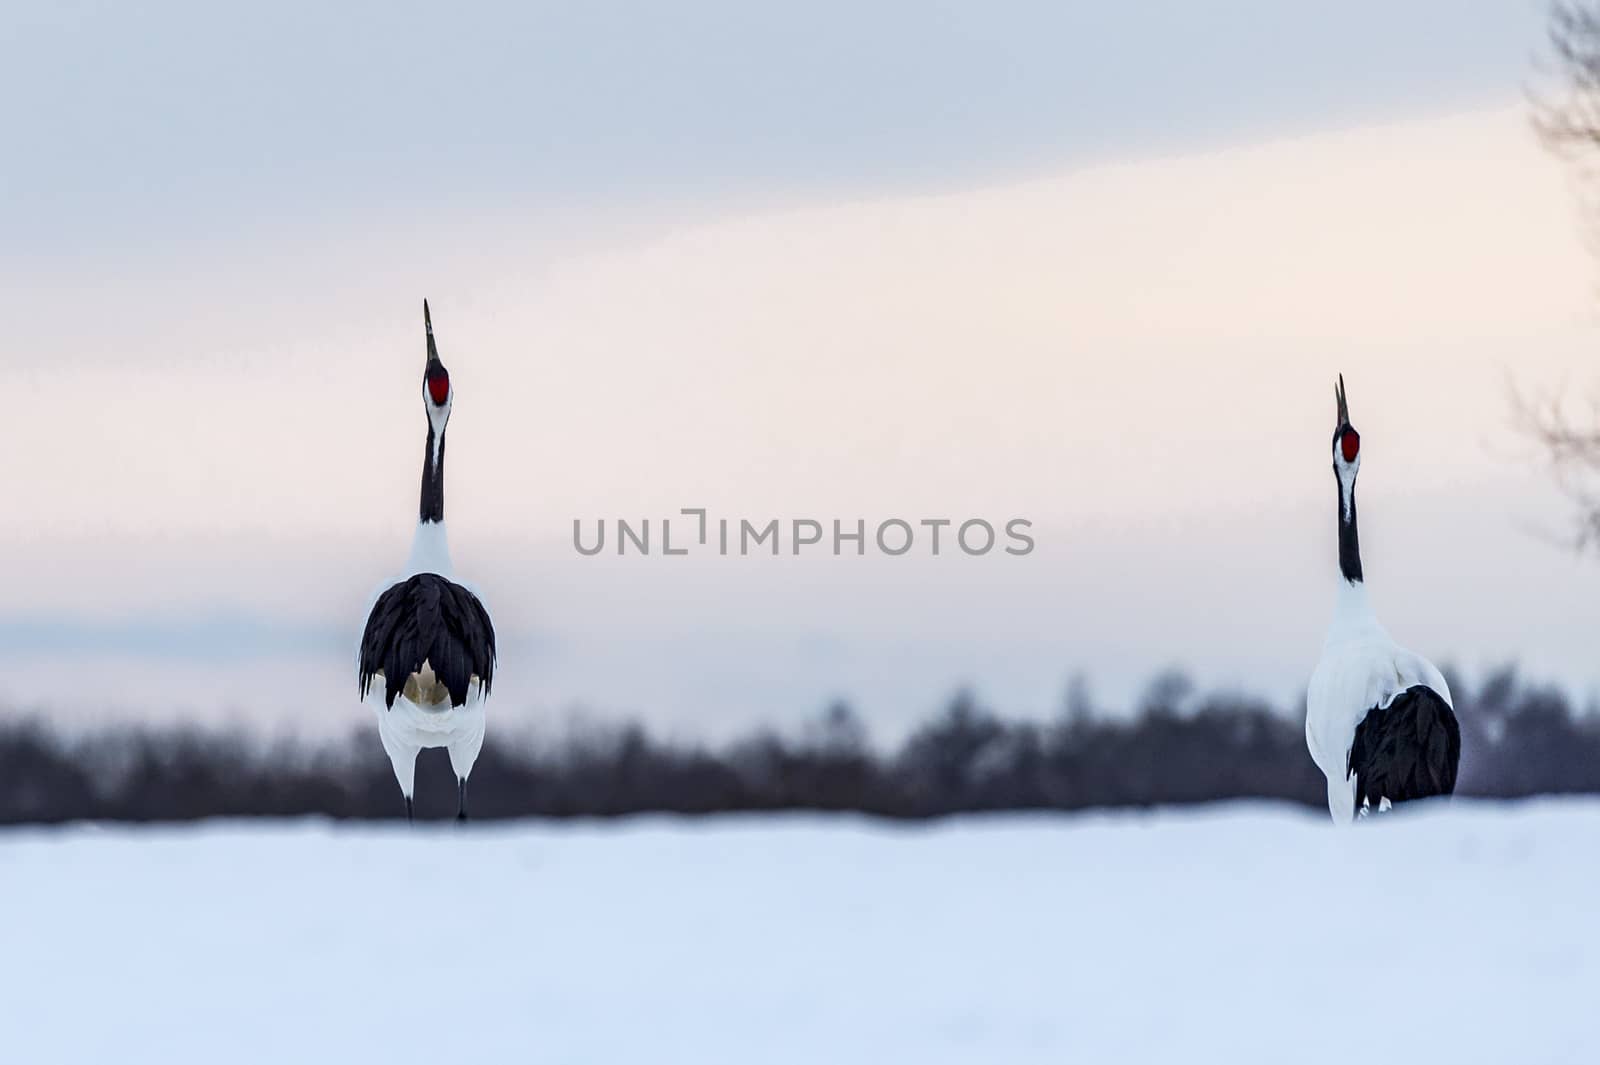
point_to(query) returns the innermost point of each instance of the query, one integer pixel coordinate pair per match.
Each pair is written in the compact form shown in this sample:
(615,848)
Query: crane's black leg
(461,798)
(409,818)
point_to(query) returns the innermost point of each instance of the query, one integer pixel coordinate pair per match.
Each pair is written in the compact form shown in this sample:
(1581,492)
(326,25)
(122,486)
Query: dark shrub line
(1517,740)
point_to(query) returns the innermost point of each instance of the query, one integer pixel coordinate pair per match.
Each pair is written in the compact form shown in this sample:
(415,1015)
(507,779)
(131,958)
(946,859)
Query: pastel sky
(1086,266)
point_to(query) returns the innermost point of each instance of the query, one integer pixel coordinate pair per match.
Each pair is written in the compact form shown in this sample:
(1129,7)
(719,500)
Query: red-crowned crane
(427,655)
(1379,720)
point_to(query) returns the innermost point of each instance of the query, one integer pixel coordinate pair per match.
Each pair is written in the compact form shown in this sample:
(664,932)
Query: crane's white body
(406,728)
(1361,668)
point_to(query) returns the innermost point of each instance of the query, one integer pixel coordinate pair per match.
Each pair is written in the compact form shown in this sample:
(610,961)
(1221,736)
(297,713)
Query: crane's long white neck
(1349,540)
(1352,613)
(432,509)
(430,547)
(430,550)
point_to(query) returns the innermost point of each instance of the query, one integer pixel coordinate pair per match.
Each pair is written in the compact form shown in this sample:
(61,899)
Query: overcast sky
(145,130)
(1094,266)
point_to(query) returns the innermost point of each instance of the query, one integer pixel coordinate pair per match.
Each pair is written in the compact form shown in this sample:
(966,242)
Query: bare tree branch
(1566,116)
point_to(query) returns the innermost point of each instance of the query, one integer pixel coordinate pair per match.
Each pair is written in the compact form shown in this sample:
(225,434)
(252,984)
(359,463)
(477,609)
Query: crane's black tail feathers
(1407,750)
(427,618)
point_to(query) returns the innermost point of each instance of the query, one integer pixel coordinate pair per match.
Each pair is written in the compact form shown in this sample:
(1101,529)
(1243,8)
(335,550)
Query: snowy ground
(1239,934)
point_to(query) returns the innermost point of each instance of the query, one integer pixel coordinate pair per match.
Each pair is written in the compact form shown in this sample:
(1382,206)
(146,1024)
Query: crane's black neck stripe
(433,479)
(1349,541)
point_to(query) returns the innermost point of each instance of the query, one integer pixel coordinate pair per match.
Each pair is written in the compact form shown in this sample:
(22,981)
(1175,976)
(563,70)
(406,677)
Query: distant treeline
(1517,740)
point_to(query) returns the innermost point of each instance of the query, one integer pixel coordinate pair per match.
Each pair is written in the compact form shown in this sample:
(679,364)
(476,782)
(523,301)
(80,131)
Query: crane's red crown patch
(439,387)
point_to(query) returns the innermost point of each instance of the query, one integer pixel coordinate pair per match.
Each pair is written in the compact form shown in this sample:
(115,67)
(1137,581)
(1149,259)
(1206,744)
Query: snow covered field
(1236,934)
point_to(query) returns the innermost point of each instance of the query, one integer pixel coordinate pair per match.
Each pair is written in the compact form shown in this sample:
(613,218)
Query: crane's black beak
(427,323)
(1338,394)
